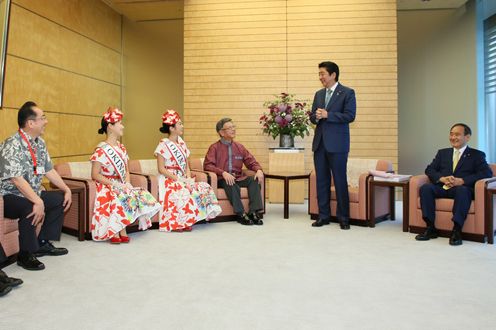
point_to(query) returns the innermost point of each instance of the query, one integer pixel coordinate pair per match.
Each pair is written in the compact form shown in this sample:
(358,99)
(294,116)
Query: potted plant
(286,118)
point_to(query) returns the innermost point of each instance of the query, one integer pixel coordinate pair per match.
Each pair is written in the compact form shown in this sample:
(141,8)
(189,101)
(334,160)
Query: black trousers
(20,207)
(462,196)
(234,194)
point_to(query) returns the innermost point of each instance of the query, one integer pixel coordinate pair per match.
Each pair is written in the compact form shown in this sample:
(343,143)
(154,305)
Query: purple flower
(282,107)
(288,117)
(278,120)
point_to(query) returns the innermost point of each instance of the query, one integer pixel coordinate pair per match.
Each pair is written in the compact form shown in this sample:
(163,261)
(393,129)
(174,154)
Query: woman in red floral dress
(184,201)
(117,204)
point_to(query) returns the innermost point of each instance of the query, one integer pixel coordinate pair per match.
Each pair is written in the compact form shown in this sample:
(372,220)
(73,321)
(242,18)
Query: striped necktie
(456,158)
(328,96)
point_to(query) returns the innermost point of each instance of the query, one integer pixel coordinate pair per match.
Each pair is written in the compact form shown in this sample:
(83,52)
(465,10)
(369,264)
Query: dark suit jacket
(334,131)
(471,167)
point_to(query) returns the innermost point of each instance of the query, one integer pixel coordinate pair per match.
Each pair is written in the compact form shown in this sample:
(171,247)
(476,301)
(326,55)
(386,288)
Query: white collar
(461,150)
(333,87)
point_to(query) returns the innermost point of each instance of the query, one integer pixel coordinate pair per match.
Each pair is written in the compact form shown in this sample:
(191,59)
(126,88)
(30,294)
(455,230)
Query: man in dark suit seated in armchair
(453,174)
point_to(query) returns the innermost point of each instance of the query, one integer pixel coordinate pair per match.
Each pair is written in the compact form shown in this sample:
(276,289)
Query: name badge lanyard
(31,151)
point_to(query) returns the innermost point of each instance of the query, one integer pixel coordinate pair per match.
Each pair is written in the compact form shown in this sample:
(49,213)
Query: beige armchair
(358,189)
(227,210)
(9,232)
(474,228)
(79,174)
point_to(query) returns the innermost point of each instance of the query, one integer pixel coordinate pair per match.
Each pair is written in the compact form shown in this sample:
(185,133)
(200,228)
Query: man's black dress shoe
(28,261)
(344,224)
(456,238)
(48,249)
(321,222)
(4,289)
(10,281)
(244,220)
(255,218)
(430,232)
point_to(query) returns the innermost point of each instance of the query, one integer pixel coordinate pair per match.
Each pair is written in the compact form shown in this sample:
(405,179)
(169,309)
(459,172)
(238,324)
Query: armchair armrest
(212,180)
(199,176)
(139,180)
(415,183)
(480,192)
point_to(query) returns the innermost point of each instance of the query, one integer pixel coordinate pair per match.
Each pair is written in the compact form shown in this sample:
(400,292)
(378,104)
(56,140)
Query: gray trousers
(234,194)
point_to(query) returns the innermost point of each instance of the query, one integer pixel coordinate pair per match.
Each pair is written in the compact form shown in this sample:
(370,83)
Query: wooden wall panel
(82,16)
(34,37)
(57,90)
(234,58)
(238,53)
(66,56)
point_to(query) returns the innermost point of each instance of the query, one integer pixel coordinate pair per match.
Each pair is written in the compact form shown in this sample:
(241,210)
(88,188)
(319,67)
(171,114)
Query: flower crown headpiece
(170,117)
(113,115)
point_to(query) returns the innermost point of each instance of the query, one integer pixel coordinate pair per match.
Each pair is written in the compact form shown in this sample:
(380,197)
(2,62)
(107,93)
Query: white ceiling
(150,10)
(429,4)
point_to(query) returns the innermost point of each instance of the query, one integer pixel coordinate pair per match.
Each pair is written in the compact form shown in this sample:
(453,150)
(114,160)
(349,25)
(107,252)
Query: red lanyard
(31,151)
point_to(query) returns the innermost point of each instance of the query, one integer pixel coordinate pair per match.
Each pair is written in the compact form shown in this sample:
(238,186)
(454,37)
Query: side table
(405,185)
(286,177)
(74,217)
(489,214)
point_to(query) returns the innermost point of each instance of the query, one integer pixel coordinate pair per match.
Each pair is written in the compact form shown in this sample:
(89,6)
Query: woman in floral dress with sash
(184,202)
(117,203)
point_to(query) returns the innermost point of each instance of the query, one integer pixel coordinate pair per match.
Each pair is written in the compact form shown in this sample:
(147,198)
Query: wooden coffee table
(405,185)
(286,177)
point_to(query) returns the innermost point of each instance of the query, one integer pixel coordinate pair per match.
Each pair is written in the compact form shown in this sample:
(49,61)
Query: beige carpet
(283,275)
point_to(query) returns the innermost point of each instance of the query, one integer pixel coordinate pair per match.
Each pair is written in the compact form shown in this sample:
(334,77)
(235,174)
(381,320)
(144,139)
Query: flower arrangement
(286,116)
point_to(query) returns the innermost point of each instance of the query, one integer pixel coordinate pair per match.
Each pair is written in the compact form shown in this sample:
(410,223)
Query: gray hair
(220,123)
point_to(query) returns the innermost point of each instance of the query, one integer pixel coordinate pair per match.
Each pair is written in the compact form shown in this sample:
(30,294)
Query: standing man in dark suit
(333,109)
(453,174)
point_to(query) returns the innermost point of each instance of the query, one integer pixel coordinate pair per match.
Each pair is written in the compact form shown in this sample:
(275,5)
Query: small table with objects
(286,177)
(405,185)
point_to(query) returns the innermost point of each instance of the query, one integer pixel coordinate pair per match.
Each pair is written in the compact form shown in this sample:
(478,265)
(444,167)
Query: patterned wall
(238,53)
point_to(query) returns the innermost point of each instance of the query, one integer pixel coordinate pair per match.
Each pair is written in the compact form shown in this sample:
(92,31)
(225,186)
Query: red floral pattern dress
(184,202)
(117,208)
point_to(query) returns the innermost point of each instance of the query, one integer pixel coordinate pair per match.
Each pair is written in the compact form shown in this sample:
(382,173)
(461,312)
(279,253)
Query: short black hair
(220,123)
(26,113)
(330,68)
(466,129)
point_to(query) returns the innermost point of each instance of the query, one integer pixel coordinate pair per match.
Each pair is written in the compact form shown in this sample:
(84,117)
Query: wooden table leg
(392,210)
(371,214)
(406,207)
(81,217)
(286,198)
(489,217)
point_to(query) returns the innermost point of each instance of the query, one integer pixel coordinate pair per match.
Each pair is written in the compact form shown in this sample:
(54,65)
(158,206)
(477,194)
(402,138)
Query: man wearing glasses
(24,160)
(226,158)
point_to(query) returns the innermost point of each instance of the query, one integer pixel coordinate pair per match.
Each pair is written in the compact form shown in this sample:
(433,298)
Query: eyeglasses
(231,128)
(43,118)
